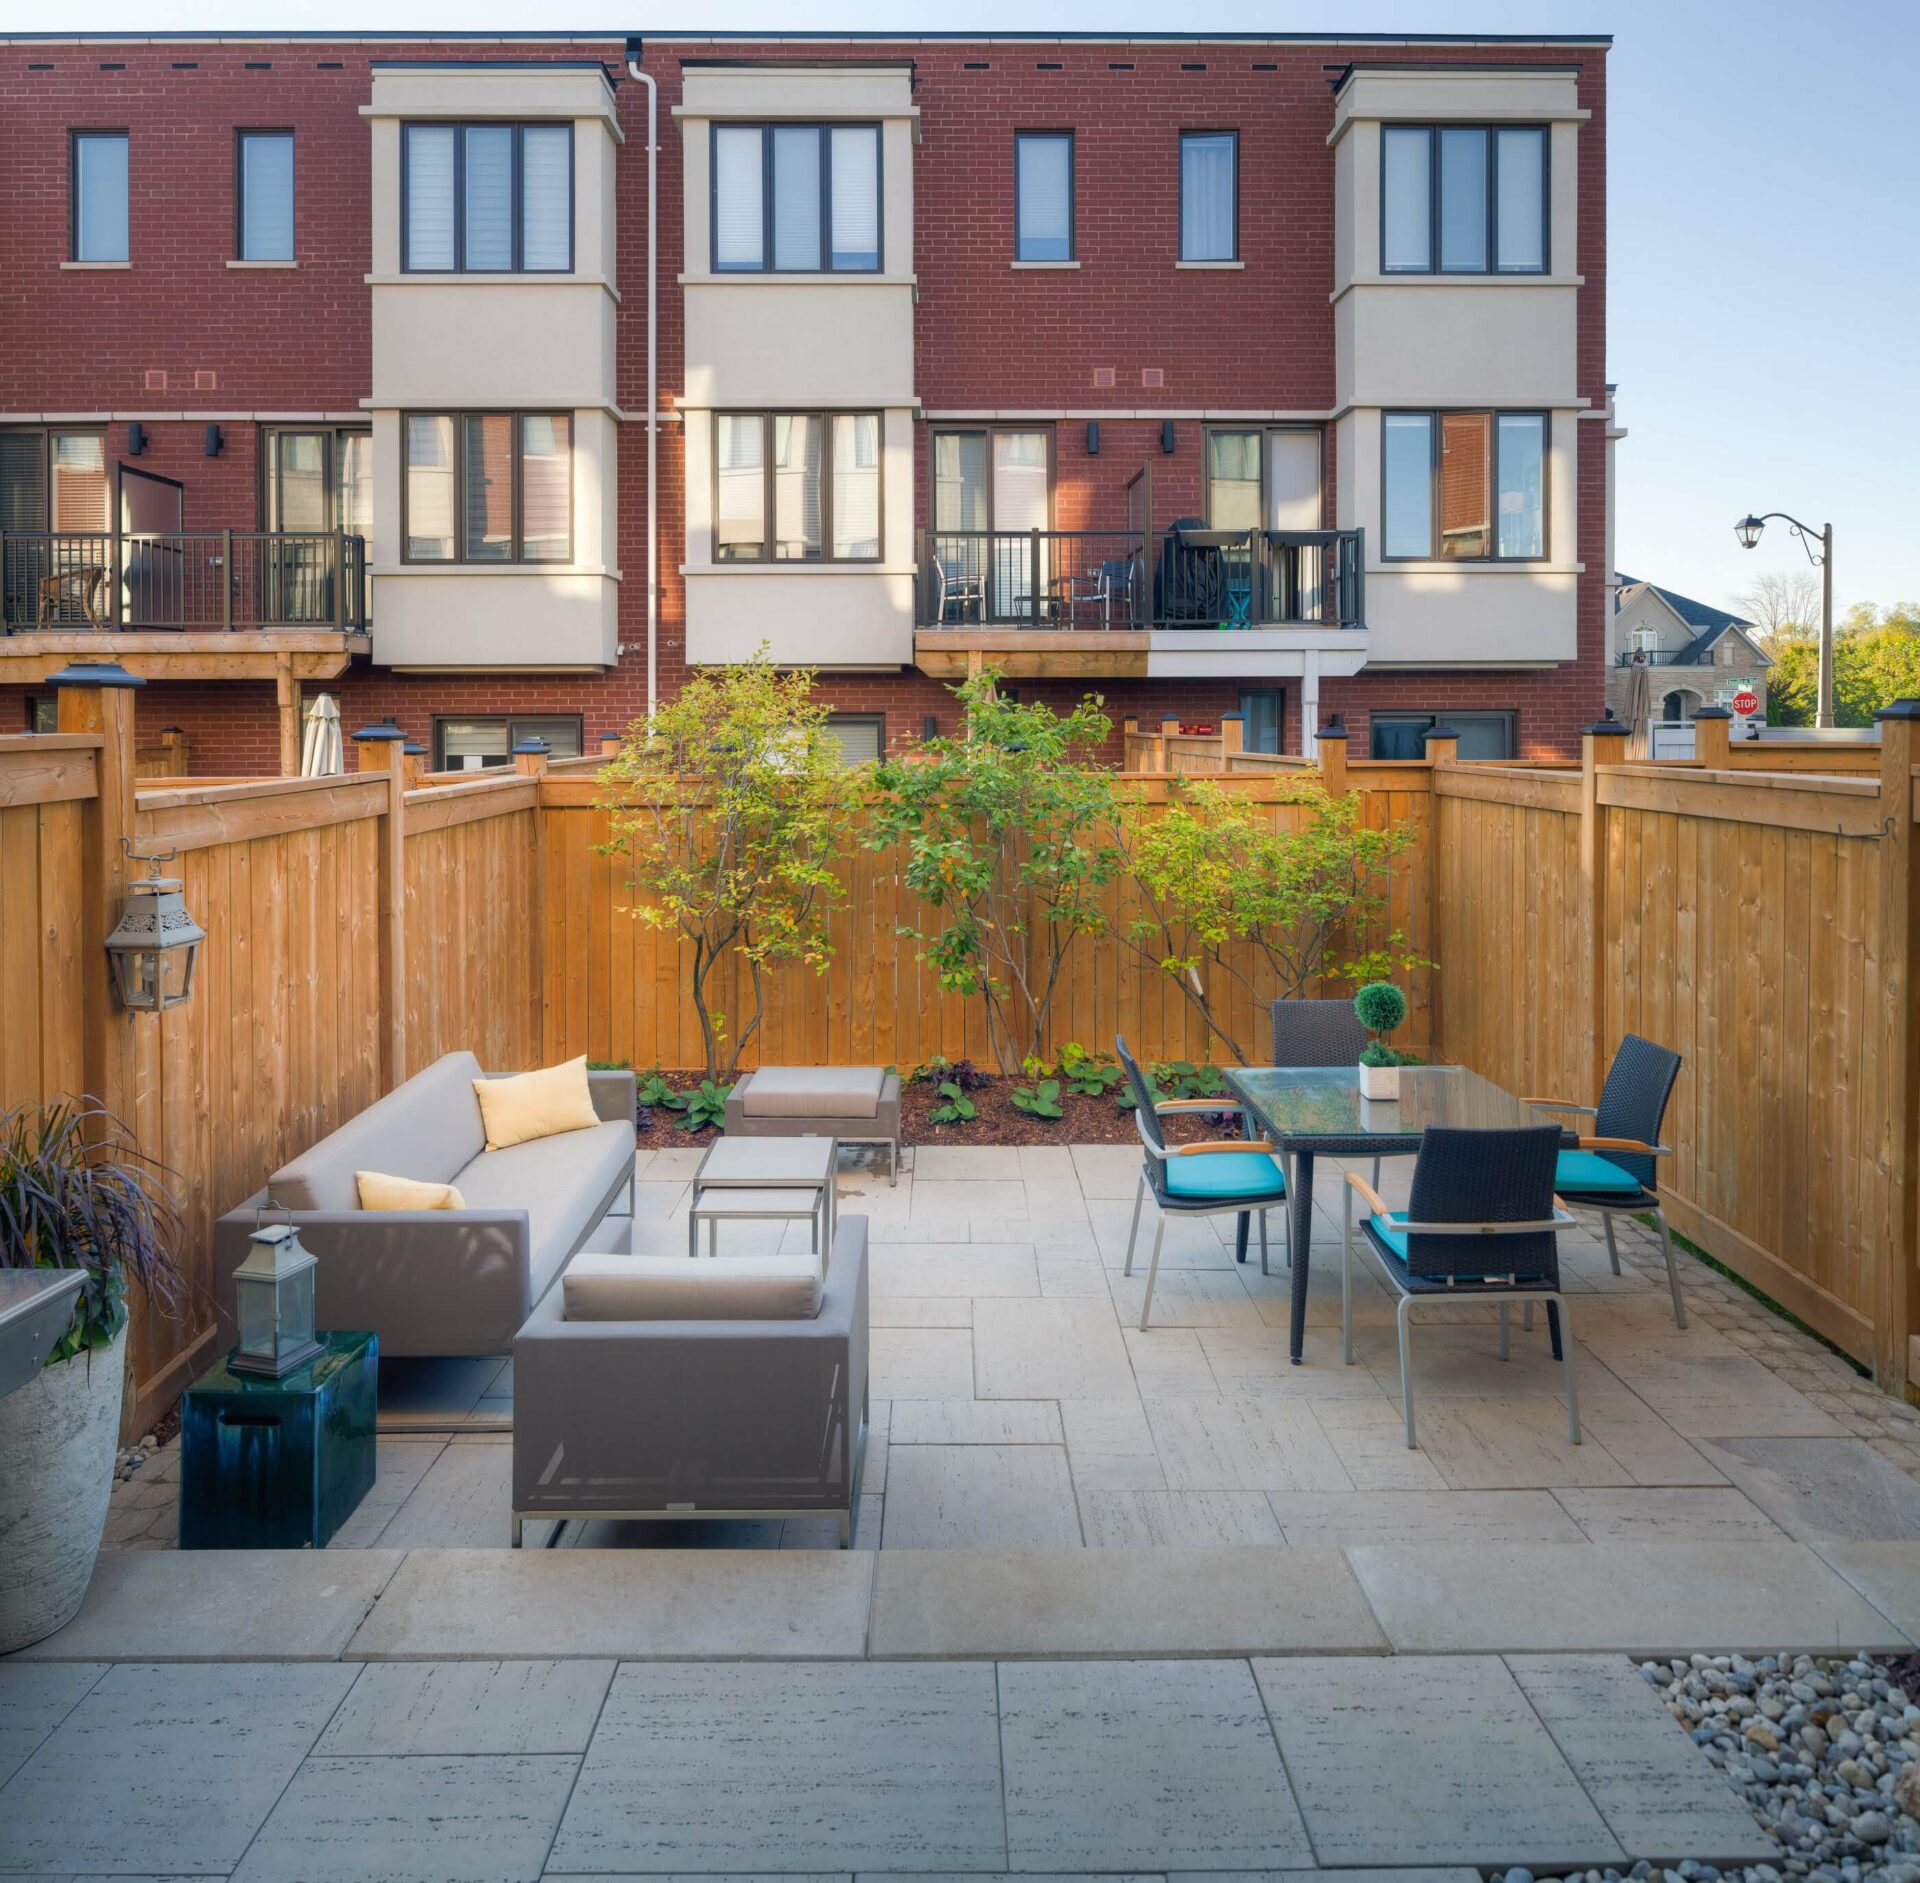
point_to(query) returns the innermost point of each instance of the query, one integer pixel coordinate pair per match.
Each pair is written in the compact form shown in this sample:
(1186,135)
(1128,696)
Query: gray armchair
(696,1418)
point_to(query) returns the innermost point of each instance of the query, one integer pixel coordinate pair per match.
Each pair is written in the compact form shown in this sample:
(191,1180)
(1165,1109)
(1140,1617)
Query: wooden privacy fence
(1763,924)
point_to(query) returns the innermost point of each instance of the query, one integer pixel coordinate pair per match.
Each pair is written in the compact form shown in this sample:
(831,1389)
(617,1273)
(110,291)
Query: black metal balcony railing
(1182,577)
(1656,656)
(210,580)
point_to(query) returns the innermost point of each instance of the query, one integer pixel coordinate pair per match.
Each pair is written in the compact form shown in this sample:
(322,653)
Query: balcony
(1132,603)
(184,605)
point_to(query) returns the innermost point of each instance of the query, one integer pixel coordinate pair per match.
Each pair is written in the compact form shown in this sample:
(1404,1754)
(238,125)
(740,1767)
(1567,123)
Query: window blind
(1207,197)
(738,240)
(266,196)
(796,197)
(856,196)
(430,195)
(100,215)
(546,197)
(1043,190)
(489,231)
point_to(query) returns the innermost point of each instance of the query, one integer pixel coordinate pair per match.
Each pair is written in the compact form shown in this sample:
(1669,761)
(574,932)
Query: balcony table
(1309,1111)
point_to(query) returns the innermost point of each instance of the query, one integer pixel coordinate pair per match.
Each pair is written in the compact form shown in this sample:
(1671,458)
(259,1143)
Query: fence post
(1894,1361)
(96,696)
(1331,747)
(1233,738)
(1600,744)
(1712,729)
(380,750)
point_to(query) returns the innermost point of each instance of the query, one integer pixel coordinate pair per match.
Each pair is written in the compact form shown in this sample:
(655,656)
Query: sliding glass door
(998,481)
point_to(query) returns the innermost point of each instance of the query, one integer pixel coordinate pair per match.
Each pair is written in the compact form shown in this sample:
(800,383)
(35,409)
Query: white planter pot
(1379,1081)
(58,1436)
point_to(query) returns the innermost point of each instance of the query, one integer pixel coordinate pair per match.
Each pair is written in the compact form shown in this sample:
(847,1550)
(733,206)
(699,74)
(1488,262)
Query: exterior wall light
(155,943)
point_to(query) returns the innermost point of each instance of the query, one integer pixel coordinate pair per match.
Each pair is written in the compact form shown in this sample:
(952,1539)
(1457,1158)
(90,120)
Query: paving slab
(1509,1444)
(490,1605)
(1058,1347)
(1887,1574)
(1169,1519)
(1629,1598)
(1450,1873)
(952,1268)
(847,1767)
(922,1362)
(165,1769)
(400,1465)
(1143,1765)
(1465,1771)
(1822,1489)
(1119,1602)
(1652,1784)
(1168,1360)
(1369,1438)
(1243,1442)
(1110,1445)
(418,1820)
(231,1605)
(1676,1514)
(976,1422)
(968,1497)
(469,1707)
(463,1500)
(1347,1518)
(34,1700)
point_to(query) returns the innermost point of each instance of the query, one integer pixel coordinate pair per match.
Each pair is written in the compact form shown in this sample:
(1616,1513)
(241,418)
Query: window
(1467,199)
(862,737)
(473,745)
(796,198)
(796,487)
(488,487)
(1403,735)
(319,480)
(263,197)
(43,712)
(99,196)
(1209,196)
(1264,479)
(486,198)
(1043,196)
(1464,486)
(1260,720)
(992,489)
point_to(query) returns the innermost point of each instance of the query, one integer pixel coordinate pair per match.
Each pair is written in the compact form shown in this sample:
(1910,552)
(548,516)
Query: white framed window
(1209,196)
(795,198)
(1466,199)
(98,196)
(263,196)
(486,198)
(1043,196)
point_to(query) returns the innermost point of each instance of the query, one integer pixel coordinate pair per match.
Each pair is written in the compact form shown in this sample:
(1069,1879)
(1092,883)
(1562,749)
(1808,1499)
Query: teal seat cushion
(1225,1174)
(1590,1173)
(1388,1229)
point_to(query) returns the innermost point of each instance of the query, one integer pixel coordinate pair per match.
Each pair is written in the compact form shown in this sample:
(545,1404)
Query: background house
(1701,656)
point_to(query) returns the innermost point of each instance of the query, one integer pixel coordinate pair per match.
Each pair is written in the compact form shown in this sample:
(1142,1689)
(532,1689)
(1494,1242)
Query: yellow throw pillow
(536,1104)
(380,1192)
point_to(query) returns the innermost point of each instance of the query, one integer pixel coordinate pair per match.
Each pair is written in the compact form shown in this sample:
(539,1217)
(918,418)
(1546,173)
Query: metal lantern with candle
(156,941)
(273,1303)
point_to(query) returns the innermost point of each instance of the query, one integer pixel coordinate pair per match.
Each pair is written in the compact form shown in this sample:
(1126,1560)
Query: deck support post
(286,699)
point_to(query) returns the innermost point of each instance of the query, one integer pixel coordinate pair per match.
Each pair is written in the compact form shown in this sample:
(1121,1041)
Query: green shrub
(706,1106)
(957,1109)
(1039,1101)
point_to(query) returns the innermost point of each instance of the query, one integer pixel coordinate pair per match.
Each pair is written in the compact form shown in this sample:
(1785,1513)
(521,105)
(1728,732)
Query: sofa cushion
(378,1191)
(813,1092)
(559,1181)
(429,1127)
(672,1288)
(536,1104)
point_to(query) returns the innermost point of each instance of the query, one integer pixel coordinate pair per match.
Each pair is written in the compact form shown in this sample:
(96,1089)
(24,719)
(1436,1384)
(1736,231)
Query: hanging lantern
(155,943)
(273,1304)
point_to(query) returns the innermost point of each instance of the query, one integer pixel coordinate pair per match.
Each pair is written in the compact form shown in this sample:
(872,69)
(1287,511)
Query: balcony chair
(1482,1220)
(1230,1177)
(1103,585)
(1613,1171)
(956,588)
(1320,1033)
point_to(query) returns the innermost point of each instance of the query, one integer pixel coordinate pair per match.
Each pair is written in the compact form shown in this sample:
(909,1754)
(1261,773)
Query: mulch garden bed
(997,1120)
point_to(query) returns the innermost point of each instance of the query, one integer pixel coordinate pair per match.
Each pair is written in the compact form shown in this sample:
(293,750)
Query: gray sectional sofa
(653,1386)
(440,1282)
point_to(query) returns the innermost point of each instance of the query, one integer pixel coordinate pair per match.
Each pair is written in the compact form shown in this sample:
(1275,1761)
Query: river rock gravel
(1825,1750)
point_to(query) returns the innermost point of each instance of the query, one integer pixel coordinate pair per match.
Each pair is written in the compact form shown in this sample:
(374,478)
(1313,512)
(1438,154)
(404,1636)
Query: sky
(1764,260)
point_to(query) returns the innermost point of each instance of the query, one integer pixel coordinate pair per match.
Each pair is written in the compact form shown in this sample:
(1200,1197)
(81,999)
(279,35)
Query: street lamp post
(1748,530)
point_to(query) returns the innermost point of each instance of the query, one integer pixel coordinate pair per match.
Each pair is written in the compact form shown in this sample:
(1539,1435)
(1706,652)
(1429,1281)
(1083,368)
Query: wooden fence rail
(1763,924)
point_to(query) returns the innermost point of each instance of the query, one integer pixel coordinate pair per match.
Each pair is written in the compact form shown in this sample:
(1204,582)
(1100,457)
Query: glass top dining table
(1305,1111)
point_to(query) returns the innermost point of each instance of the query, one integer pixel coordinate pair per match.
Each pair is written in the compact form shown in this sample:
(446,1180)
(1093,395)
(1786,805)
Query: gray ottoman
(856,1104)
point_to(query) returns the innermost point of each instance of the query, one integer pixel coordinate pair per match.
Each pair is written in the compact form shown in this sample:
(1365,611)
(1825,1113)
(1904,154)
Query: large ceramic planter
(58,1435)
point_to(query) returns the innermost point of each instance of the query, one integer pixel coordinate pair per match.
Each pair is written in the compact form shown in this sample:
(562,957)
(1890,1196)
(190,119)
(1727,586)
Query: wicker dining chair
(1321,1033)
(1613,1170)
(1222,1177)
(1481,1220)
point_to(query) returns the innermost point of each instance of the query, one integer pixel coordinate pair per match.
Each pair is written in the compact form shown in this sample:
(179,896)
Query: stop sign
(1746,703)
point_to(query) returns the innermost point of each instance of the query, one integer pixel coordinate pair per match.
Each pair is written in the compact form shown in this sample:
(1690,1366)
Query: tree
(1007,834)
(1876,660)
(1783,606)
(729,813)
(1230,894)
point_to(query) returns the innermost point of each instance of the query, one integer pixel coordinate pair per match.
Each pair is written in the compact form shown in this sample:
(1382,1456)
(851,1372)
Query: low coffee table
(762,1180)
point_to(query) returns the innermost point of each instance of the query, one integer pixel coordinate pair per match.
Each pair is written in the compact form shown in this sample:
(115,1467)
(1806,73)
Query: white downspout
(634,72)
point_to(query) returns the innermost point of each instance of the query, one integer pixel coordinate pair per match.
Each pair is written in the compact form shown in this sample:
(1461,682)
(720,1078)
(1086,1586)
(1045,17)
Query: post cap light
(535,747)
(1712,712)
(1441,732)
(1335,728)
(155,943)
(386,731)
(94,673)
(1606,727)
(273,1304)
(1748,530)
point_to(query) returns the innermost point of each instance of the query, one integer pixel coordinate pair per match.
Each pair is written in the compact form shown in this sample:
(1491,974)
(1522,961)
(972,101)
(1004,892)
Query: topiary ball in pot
(1381,1008)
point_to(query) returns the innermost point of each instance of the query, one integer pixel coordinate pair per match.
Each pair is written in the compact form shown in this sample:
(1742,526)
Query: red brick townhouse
(1216,373)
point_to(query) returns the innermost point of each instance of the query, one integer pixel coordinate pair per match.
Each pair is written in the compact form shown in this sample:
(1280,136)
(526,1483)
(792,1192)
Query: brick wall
(297,341)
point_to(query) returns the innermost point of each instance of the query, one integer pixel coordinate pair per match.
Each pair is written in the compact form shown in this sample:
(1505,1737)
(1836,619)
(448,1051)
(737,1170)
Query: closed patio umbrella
(321,754)
(1638,707)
